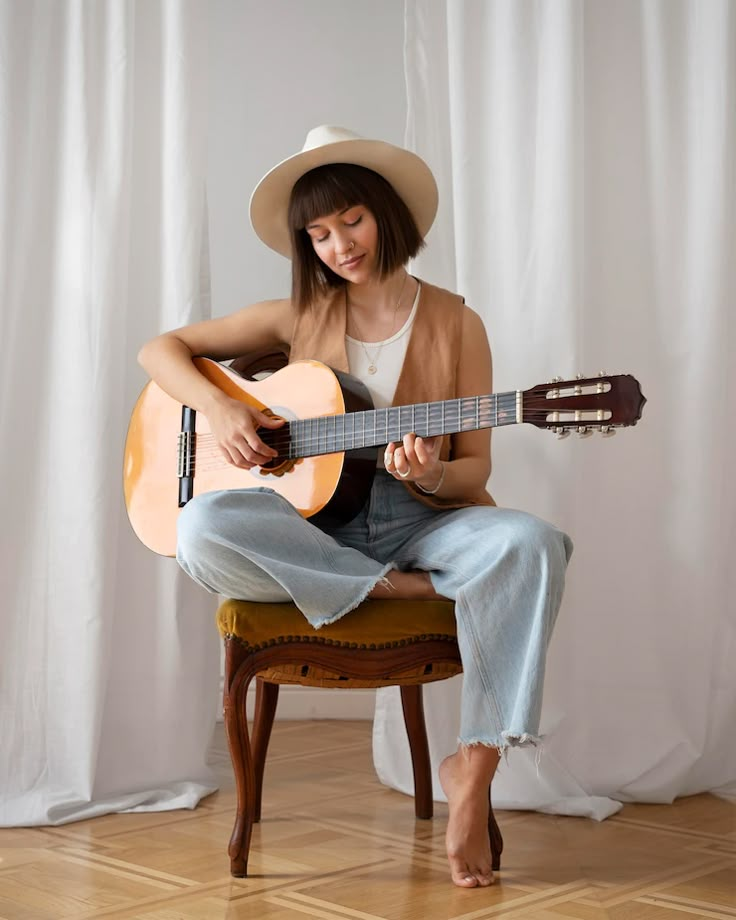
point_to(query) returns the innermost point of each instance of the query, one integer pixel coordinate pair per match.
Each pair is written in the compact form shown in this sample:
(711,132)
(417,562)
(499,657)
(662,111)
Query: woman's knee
(535,538)
(197,522)
(234,517)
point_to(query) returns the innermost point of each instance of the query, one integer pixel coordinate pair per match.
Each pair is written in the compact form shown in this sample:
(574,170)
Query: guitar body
(330,488)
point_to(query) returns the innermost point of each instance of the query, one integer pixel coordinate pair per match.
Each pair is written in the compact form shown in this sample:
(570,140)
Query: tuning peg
(607,431)
(580,376)
(584,432)
(562,433)
(602,374)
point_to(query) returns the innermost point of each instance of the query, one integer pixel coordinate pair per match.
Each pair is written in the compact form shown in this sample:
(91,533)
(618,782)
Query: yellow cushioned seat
(374,625)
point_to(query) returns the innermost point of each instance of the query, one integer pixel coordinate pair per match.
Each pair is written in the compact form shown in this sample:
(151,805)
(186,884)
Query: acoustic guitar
(327,447)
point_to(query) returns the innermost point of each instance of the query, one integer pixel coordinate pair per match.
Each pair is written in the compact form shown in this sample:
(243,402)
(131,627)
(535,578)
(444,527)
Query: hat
(409,175)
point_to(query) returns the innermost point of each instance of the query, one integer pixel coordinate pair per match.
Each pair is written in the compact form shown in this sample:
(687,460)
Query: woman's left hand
(415,459)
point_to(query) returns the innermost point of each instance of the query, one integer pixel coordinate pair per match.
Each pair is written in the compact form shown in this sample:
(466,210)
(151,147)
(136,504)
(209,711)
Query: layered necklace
(373,359)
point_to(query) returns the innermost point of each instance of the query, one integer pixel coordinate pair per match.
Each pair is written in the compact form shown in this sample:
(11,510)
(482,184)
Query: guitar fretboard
(373,428)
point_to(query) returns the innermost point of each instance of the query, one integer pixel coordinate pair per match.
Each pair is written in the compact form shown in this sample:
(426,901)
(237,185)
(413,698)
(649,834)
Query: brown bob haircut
(327,189)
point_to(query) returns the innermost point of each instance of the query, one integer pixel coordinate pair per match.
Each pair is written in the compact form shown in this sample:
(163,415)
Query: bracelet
(439,484)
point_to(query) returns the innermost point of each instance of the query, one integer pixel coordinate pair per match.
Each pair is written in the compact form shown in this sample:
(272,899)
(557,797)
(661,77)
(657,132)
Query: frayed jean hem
(504,742)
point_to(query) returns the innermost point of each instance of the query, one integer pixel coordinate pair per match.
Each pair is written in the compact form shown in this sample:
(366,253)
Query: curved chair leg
(416,729)
(236,728)
(267,697)
(495,837)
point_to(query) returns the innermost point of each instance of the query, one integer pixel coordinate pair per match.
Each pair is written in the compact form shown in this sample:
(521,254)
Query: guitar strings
(208,448)
(307,439)
(281,436)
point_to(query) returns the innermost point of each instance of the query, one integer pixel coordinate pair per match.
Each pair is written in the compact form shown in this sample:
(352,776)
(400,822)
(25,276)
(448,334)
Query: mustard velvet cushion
(373,625)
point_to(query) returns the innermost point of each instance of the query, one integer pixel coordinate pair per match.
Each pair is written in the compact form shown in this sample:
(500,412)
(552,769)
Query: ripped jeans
(504,569)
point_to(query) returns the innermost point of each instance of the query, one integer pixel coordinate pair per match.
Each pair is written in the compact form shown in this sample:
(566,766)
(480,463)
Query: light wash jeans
(504,569)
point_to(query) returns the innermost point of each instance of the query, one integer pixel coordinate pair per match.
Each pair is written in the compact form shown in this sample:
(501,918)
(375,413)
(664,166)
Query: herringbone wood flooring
(336,845)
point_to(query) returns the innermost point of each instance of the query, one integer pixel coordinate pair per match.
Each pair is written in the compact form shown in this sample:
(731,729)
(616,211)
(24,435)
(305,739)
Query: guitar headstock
(585,404)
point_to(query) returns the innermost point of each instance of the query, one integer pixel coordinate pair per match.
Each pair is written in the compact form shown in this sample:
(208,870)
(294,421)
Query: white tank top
(387,357)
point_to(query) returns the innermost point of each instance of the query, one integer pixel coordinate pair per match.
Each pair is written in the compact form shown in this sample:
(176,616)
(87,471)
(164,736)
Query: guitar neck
(373,428)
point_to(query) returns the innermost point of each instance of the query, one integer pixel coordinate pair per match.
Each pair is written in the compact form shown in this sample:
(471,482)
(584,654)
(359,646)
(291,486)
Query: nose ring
(352,245)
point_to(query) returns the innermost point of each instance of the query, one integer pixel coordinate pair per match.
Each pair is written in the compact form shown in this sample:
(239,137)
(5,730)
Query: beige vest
(429,372)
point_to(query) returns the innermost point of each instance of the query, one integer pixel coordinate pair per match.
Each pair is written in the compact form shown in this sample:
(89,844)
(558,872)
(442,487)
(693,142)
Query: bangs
(328,189)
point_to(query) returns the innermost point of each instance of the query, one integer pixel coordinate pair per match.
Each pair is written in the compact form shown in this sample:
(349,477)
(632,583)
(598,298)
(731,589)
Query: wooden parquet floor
(336,845)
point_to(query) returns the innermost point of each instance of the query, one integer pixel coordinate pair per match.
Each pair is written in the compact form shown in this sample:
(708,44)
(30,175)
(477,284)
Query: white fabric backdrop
(586,155)
(108,664)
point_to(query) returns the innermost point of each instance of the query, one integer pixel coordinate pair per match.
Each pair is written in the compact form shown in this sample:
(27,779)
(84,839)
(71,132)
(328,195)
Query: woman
(350,213)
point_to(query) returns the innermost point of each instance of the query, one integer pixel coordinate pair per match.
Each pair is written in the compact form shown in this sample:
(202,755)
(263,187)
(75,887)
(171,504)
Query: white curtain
(108,665)
(586,154)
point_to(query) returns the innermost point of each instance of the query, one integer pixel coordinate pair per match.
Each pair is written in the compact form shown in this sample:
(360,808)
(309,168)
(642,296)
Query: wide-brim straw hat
(409,175)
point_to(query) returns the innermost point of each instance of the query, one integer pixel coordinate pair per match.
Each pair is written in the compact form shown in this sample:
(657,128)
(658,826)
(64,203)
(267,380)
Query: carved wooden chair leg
(267,697)
(416,729)
(236,728)
(495,837)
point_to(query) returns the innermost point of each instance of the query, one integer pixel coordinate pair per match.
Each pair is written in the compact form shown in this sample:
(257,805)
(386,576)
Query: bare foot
(405,585)
(465,777)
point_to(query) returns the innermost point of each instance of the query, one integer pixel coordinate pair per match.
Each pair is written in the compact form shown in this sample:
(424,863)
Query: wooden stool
(381,643)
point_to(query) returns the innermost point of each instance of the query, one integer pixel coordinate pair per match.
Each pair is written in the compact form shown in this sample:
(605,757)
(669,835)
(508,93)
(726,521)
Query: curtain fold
(108,668)
(586,158)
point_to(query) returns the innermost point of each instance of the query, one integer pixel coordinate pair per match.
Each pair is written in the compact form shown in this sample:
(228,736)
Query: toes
(465,875)
(484,878)
(465,881)
(461,874)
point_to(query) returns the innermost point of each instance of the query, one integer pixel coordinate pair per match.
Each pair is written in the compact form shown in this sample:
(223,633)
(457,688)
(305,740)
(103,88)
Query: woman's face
(347,242)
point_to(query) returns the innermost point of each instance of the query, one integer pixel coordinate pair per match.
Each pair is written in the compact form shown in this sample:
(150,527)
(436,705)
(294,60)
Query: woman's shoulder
(437,293)
(275,315)
(259,325)
(444,299)
(442,308)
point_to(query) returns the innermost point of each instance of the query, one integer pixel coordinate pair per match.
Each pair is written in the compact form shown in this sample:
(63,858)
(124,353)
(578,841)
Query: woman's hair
(327,189)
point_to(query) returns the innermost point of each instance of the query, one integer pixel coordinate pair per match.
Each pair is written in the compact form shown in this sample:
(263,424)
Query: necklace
(373,361)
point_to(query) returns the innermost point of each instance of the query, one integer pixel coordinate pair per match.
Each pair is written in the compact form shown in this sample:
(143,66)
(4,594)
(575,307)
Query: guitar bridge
(186,443)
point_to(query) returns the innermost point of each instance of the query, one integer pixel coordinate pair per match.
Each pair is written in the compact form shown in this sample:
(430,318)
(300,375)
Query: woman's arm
(168,360)
(466,475)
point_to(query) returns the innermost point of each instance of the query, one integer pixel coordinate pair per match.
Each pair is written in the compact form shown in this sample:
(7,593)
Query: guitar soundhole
(279,467)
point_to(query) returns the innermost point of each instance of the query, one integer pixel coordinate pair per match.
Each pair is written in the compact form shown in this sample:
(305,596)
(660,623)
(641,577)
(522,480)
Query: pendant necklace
(373,361)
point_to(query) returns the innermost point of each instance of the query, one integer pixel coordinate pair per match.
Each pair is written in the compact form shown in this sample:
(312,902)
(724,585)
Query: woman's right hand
(234,425)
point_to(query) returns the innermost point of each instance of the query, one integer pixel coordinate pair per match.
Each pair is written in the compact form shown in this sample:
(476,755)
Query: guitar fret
(293,427)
